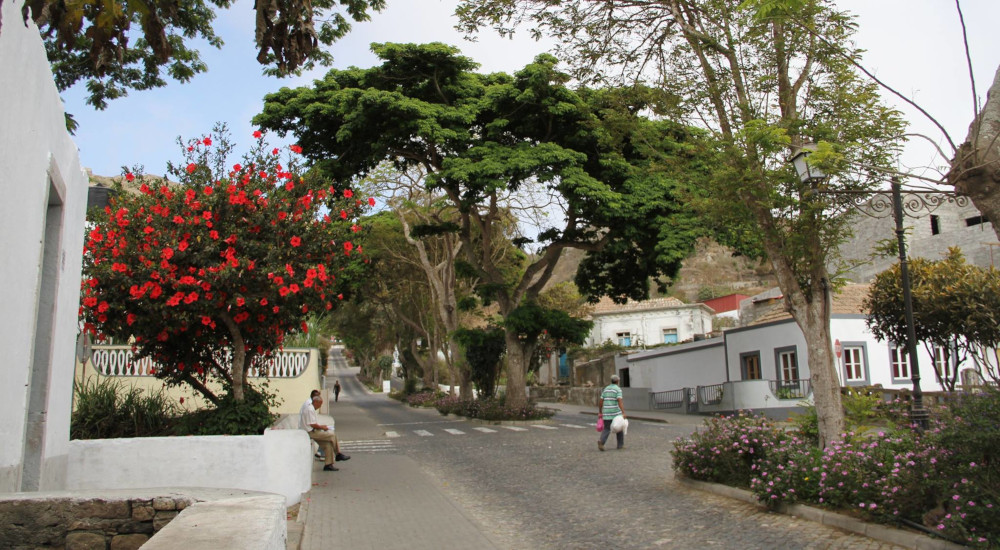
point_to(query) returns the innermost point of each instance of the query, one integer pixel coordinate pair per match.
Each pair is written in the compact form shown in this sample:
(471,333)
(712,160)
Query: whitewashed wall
(648,325)
(280,462)
(41,224)
(849,329)
(682,366)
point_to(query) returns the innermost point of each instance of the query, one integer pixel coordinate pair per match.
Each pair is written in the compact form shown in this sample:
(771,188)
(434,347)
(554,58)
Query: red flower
(191,168)
(305,327)
(295,149)
(296,241)
(130,318)
(240,301)
(178,219)
(343,215)
(355,228)
(103,307)
(340,296)
(282,215)
(263,301)
(129,177)
(182,246)
(168,253)
(348,246)
(207,141)
(274,151)
(283,291)
(206,320)
(371,201)
(214,234)
(257,134)
(182,401)
(294,288)
(348,193)
(207,190)
(237,167)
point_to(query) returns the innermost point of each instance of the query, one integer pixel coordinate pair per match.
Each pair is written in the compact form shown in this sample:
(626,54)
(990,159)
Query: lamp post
(811,174)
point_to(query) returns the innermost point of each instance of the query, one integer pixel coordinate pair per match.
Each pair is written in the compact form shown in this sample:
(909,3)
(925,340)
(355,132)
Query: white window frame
(787,363)
(855,366)
(899,361)
(944,366)
(624,339)
(667,332)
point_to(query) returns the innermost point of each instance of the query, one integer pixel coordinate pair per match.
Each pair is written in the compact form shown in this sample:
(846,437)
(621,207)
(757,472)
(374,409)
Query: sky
(913,45)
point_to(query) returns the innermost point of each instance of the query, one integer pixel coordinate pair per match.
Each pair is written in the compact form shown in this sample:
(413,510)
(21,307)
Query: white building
(765,366)
(41,243)
(649,322)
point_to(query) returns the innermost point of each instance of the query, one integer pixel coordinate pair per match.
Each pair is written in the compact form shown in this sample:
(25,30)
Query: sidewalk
(378,500)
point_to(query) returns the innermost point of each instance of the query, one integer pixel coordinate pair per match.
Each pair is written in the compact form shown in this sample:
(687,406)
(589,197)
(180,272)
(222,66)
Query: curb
(879,532)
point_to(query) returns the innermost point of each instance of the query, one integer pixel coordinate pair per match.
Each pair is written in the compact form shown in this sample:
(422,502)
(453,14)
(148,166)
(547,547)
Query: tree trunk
(518,355)
(239,357)
(201,388)
(815,325)
(975,170)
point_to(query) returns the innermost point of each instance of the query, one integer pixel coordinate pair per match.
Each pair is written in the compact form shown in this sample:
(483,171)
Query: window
(943,365)
(750,366)
(854,364)
(974,220)
(788,365)
(935,225)
(900,363)
(669,336)
(624,339)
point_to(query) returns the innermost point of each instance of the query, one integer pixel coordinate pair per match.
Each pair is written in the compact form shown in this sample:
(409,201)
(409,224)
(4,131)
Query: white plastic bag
(619,424)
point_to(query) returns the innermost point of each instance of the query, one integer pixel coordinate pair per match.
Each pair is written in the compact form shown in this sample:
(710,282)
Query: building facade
(41,241)
(649,322)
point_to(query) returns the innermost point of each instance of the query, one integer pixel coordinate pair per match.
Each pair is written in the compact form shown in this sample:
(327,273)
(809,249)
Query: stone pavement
(388,500)
(379,500)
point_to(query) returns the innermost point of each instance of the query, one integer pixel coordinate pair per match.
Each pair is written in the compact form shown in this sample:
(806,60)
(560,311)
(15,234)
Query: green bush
(230,417)
(110,409)
(490,409)
(947,478)
(726,450)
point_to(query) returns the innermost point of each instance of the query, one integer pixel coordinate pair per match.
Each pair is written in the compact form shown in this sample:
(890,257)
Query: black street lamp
(876,204)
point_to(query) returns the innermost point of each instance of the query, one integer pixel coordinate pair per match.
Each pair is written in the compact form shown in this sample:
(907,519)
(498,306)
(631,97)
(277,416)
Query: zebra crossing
(466,430)
(392,436)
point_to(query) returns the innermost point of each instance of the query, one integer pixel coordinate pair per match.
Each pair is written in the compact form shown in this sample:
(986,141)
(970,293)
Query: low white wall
(250,523)
(280,462)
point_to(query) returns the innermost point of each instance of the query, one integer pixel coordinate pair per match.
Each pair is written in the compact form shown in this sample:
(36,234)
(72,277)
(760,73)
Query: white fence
(119,361)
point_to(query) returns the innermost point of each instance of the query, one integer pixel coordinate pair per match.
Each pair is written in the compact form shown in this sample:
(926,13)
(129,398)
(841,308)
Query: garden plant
(945,480)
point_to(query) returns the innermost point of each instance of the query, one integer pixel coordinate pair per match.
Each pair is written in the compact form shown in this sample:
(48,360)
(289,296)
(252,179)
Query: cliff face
(711,271)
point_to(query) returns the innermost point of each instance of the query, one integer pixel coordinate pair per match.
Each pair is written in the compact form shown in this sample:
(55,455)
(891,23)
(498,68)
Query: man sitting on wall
(320,433)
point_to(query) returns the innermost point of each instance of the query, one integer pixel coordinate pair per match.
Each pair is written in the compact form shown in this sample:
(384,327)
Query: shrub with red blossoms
(206,276)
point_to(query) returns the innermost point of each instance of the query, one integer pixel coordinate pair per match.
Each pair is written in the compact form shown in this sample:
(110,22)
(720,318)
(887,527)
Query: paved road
(420,480)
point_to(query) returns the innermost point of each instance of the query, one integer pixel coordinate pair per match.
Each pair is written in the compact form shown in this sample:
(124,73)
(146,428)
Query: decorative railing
(790,389)
(673,399)
(119,361)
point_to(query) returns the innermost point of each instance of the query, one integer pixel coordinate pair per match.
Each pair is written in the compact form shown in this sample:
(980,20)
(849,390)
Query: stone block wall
(85,523)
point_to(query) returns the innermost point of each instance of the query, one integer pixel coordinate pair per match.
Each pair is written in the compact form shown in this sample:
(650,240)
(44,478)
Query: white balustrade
(119,361)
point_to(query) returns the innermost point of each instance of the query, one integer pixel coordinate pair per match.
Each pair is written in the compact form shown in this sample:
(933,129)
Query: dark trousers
(607,432)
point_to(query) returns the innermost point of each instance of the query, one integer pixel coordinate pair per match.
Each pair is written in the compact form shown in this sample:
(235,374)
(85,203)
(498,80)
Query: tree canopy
(487,139)
(121,45)
(208,275)
(955,309)
(765,78)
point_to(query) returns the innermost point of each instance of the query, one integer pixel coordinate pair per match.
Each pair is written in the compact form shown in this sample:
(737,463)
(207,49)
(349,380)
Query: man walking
(336,390)
(609,405)
(321,433)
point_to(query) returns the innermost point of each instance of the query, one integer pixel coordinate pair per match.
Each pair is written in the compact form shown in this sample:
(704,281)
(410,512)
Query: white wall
(675,367)
(280,462)
(849,329)
(649,324)
(38,326)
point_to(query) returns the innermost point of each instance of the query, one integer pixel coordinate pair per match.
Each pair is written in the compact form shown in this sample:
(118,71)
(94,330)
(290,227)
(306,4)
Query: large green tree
(763,87)
(483,139)
(121,45)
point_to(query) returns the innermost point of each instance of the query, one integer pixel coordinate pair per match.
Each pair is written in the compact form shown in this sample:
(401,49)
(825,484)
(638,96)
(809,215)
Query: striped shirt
(609,398)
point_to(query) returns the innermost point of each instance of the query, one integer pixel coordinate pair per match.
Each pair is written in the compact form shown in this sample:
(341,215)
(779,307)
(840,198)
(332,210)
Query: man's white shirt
(307,416)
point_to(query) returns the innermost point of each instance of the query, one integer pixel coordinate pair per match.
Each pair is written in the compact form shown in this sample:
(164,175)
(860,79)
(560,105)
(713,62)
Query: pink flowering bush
(727,449)
(946,479)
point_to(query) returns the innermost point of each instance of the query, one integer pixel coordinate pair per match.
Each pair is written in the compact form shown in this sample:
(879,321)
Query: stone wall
(84,523)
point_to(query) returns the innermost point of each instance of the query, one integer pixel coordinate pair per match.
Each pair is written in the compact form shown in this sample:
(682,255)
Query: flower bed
(945,479)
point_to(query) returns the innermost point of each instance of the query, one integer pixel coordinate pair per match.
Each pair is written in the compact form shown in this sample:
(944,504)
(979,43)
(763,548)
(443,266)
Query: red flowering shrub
(218,268)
